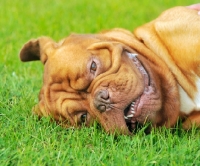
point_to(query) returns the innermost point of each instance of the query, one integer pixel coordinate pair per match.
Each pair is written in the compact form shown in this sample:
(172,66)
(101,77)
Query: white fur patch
(188,104)
(197,97)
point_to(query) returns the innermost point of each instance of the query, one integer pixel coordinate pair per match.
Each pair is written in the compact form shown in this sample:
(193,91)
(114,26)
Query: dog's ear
(37,49)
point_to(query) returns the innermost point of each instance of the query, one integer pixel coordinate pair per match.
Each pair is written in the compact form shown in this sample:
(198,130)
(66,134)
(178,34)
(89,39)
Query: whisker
(112,106)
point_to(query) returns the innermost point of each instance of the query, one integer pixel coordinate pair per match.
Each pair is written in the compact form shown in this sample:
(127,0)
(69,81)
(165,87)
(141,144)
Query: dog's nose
(101,100)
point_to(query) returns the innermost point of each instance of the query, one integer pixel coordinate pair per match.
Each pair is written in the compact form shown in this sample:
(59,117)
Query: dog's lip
(131,112)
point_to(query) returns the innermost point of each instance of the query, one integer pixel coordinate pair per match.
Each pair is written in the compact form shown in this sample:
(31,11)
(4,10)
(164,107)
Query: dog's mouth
(130,114)
(132,111)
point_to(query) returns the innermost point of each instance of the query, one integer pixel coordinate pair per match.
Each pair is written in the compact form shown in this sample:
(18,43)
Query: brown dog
(120,79)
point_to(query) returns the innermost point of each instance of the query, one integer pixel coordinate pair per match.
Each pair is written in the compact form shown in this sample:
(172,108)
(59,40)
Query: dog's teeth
(130,116)
(132,104)
(125,117)
(132,55)
(133,112)
(132,108)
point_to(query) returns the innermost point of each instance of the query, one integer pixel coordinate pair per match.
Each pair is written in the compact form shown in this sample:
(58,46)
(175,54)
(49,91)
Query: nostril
(101,100)
(102,108)
(103,94)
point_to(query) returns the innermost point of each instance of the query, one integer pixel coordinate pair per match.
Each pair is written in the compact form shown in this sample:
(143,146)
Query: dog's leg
(192,120)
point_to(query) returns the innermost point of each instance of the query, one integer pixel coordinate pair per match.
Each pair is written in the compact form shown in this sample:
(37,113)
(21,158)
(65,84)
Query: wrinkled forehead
(73,50)
(81,40)
(70,57)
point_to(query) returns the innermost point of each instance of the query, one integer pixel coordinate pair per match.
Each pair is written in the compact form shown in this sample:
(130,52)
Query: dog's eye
(83,118)
(93,67)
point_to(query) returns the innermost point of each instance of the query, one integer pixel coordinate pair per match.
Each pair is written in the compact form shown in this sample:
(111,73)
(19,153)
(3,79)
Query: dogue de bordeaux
(121,79)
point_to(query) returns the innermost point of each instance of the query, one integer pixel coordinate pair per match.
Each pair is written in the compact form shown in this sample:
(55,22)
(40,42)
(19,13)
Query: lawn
(25,140)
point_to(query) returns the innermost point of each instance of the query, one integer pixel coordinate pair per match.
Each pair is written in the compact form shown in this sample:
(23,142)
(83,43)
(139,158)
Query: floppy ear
(37,49)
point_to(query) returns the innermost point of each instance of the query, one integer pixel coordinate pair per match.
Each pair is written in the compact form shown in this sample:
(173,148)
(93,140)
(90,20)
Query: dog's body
(121,79)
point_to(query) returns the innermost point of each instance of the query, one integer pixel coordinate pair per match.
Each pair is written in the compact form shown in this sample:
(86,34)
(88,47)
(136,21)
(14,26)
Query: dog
(121,79)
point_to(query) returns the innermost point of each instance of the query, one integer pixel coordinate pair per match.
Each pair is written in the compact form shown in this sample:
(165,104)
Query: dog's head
(93,77)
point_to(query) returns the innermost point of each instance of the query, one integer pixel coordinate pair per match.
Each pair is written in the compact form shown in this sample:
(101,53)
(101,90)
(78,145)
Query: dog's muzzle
(102,99)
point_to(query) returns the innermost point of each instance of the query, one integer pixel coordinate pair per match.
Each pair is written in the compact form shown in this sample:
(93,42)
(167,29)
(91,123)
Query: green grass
(25,140)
